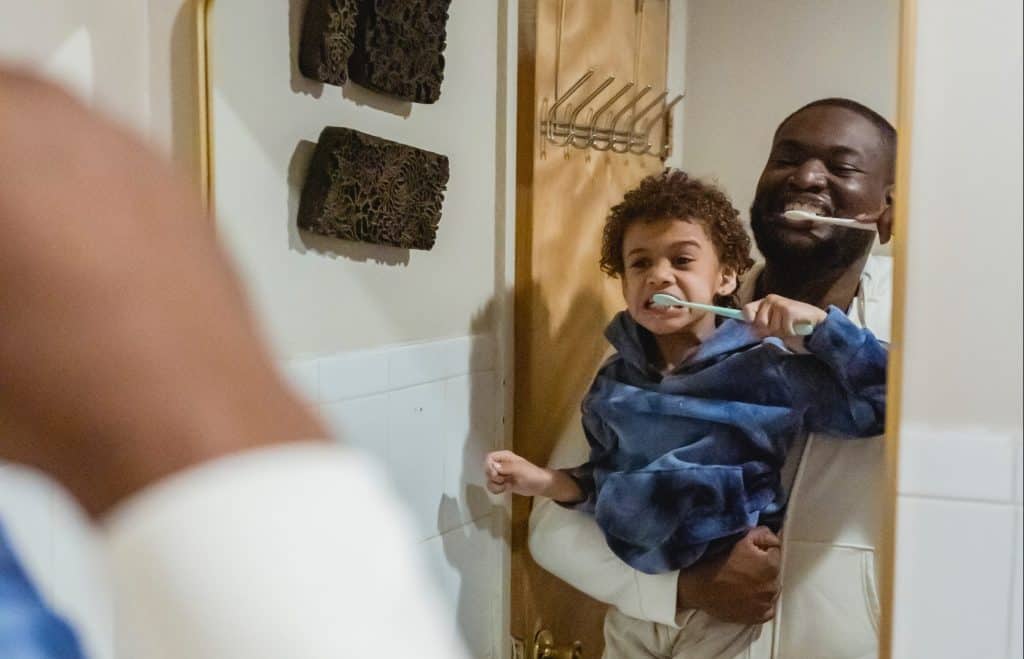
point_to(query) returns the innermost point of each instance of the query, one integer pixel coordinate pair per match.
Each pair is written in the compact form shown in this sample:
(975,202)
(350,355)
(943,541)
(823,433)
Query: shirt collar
(871,306)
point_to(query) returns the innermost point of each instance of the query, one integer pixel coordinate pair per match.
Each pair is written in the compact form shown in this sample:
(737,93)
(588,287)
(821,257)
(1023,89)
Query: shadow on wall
(470,548)
(300,84)
(572,352)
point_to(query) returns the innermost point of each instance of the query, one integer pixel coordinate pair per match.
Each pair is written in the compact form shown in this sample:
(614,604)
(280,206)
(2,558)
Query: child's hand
(775,315)
(507,472)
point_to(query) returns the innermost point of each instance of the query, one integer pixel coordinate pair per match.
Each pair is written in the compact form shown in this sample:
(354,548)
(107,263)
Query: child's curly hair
(674,194)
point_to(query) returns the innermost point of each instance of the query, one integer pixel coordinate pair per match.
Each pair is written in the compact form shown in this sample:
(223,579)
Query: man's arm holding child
(740,587)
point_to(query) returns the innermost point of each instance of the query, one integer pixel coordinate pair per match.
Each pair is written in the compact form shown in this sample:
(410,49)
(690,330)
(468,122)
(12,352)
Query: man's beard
(841,249)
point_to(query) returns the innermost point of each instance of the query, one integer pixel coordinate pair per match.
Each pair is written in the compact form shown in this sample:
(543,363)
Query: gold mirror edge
(203,95)
(904,128)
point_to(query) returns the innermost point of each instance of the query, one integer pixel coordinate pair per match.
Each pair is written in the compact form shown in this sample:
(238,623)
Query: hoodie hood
(636,346)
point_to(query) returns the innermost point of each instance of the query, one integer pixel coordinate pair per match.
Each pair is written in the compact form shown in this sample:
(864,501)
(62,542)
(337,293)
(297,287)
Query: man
(833,157)
(131,371)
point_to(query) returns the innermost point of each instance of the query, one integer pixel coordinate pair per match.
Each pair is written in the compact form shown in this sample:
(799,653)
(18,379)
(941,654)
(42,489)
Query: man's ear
(885,219)
(727,282)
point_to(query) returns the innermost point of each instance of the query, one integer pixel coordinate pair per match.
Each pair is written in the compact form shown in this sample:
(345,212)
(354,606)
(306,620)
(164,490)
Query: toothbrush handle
(803,329)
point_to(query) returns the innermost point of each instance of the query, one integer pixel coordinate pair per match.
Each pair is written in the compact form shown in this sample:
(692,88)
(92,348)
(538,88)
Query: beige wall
(98,48)
(750,63)
(319,296)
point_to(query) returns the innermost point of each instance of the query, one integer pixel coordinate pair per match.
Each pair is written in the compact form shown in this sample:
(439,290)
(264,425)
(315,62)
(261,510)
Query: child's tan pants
(700,637)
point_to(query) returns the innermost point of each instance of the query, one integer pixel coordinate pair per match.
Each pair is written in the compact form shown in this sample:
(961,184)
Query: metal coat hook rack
(618,133)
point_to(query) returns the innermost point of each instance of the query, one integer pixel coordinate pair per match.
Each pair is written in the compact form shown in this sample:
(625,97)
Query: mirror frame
(901,216)
(904,103)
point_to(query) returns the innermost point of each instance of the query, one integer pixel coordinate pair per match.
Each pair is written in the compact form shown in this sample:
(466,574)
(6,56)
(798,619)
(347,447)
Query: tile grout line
(454,528)
(1001,503)
(386,354)
(381,392)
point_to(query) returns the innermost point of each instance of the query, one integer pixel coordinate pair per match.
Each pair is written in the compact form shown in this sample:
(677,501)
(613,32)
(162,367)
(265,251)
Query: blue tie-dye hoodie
(683,465)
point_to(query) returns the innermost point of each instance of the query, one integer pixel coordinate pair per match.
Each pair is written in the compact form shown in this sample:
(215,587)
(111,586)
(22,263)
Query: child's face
(676,257)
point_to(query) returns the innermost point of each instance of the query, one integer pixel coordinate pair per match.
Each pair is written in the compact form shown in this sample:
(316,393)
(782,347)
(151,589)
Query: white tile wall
(415,451)
(337,383)
(958,555)
(363,422)
(429,412)
(1017,614)
(1018,489)
(952,562)
(465,564)
(964,463)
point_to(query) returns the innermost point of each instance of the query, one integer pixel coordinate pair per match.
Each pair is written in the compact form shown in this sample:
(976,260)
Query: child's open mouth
(651,304)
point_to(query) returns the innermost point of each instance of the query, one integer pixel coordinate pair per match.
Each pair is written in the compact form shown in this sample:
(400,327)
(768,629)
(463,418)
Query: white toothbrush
(821,219)
(666,300)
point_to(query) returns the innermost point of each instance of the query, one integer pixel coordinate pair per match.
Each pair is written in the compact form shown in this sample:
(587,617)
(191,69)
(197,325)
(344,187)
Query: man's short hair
(886,131)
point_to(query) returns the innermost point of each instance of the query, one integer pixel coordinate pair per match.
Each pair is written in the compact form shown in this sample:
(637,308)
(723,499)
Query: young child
(689,422)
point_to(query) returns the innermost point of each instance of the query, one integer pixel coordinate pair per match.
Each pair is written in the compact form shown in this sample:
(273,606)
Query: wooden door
(563,300)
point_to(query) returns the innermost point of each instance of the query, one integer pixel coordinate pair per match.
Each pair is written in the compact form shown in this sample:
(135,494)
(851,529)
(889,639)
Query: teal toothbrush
(666,300)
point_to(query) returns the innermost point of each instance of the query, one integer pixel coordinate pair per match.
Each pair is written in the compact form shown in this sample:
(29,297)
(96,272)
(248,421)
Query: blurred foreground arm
(131,371)
(126,350)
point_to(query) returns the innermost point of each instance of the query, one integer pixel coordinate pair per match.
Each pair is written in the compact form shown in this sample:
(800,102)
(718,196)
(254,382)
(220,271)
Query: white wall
(322,295)
(958,585)
(83,44)
(749,64)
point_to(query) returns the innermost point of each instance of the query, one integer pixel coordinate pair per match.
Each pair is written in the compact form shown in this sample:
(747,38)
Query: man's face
(830,161)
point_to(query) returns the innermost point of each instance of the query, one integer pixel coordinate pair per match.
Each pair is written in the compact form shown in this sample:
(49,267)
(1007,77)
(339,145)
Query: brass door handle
(544,647)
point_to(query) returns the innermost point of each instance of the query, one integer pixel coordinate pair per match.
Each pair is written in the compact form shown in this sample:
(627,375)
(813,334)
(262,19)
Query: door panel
(563,300)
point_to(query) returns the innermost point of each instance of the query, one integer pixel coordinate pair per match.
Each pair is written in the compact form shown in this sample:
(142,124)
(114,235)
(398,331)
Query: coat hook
(620,114)
(569,131)
(553,112)
(583,104)
(597,117)
(650,125)
(631,131)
